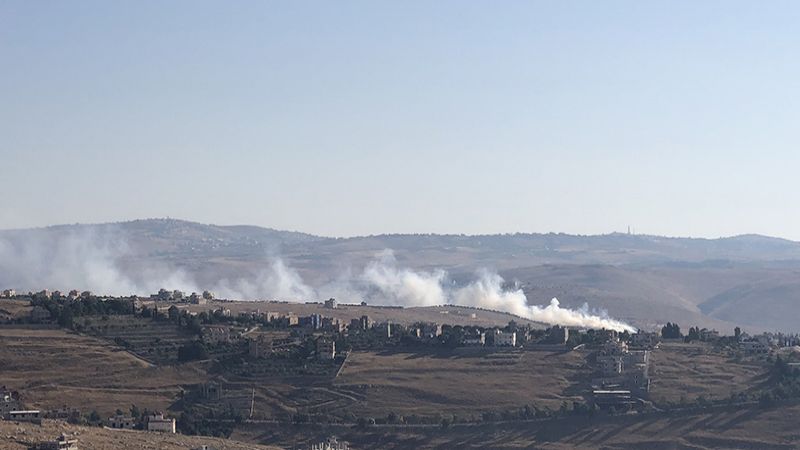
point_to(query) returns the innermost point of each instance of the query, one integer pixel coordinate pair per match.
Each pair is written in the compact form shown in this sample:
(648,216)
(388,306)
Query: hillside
(743,280)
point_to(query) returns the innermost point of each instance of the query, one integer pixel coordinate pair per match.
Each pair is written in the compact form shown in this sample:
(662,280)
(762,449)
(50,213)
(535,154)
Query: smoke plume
(96,262)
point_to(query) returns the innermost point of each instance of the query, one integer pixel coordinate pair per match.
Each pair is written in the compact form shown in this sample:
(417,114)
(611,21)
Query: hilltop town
(191,364)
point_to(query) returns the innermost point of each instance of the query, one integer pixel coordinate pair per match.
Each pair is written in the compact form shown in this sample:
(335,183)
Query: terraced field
(155,341)
(53,368)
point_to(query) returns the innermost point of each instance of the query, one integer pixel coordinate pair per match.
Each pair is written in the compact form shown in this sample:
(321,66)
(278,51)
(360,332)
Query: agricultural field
(688,371)
(463,382)
(54,368)
(153,340)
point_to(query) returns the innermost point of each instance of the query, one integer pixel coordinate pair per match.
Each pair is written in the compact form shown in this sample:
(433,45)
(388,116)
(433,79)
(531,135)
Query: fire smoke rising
(94,262)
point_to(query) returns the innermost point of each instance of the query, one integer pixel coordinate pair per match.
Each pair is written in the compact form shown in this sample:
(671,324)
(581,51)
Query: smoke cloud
(95,262)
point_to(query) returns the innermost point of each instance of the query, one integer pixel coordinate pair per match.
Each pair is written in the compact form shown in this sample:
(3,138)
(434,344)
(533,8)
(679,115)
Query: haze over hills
(747,280)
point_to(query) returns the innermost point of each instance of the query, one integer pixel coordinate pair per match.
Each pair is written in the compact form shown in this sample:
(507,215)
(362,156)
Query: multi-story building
(157,422)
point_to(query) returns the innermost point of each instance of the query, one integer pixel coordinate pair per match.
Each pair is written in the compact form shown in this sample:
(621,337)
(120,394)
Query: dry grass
(462,382)
(688,371)
(20,435)
(53,368)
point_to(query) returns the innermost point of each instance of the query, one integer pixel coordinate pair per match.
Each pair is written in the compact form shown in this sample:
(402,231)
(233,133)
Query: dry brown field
(53,368)
(463,382)
(453,315)
(687,371)
(20,436)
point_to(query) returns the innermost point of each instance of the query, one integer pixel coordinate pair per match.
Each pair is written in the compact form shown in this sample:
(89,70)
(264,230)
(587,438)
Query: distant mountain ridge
(641,278)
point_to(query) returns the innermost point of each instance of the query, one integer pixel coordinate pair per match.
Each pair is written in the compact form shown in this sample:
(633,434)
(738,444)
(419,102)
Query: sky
(348,118)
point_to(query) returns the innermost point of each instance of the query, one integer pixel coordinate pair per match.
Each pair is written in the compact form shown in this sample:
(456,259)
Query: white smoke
(276,282)
(88,261)
(402,286)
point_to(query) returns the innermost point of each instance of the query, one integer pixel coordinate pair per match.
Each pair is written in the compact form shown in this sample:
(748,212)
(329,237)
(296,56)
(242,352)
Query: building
(330,303)
(62,442)
(9,293)
(505,338)
(428,330)
(475,339)
(385,329)
(643,339)
(217,335)
(9,401)
(157,422)
(122,422)
(40,314)
(33,415)
(364,323)
(211,390)
(331,444)
(326,349)
(259,347)
(208,295)
(755,347)
(197,299)
(558,335)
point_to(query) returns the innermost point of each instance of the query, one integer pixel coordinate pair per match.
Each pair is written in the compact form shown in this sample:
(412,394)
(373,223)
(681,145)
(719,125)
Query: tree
(94,417)
(135,412)
(192,351)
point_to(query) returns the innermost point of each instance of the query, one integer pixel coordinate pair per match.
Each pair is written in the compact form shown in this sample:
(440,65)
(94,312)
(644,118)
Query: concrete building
(157,422)
(505,338)
(326,349)
(32,415)
(259,346)
(122,422)
(62,442)
(9,401)
(197,299)
(330,303)
(645,340)
(476,339)
(8,293)
(217,335)
(755,347)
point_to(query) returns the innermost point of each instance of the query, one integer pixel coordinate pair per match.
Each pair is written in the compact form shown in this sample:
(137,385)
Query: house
(157,422)
(33,415)
(330,303)
(9,293)
(505,338)
(122,422)
(197,299)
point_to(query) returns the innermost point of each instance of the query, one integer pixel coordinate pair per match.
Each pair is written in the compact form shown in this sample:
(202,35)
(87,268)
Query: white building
(157,422)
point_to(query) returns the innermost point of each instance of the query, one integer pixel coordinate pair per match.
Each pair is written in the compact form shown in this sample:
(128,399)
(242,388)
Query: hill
(742,280)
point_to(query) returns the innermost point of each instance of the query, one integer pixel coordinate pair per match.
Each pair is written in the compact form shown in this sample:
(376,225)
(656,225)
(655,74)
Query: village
(258,344)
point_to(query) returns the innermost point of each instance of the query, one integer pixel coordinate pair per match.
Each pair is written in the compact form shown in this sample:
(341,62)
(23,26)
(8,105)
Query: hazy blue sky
(343,118)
